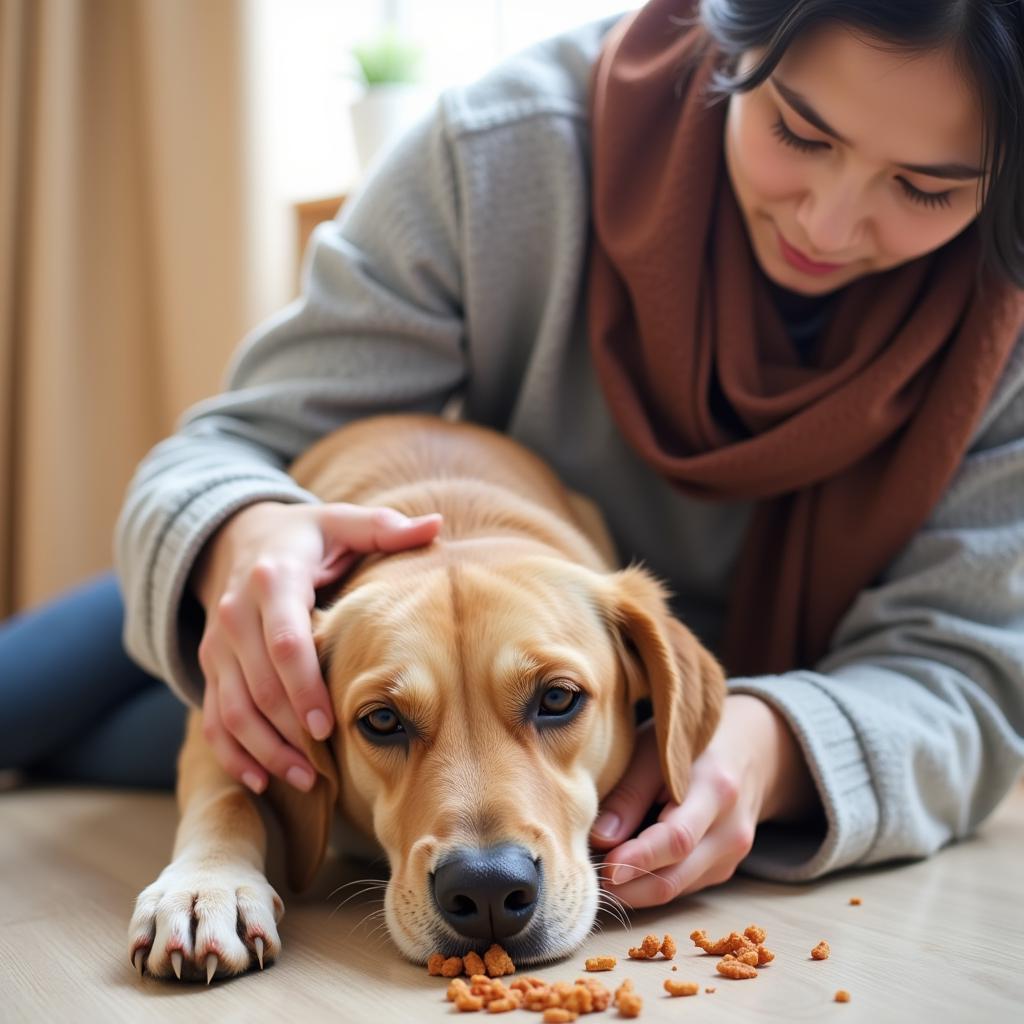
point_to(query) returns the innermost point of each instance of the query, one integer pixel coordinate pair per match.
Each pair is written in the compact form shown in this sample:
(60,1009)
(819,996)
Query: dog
(484,688)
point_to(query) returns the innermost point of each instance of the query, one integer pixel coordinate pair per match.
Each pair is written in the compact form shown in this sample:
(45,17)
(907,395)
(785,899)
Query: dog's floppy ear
(663,660)
(306,817)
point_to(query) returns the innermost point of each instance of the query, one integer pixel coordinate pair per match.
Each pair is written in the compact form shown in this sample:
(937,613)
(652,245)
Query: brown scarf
(846,457)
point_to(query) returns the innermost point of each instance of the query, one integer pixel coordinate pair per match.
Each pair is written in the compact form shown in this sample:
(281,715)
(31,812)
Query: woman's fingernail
(623,875)
(607,825)
(253,781)
(319,725)
(300,778)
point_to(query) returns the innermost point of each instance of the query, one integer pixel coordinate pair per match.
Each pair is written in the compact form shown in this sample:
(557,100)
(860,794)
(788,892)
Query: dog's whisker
(360,892)
(614,906)
(340,905)
(356,882)
(382,935)
(371,882)
(364,920)
(643,871)
(616,902)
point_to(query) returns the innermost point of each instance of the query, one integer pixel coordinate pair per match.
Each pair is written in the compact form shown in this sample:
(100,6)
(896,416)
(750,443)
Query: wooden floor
(941,940)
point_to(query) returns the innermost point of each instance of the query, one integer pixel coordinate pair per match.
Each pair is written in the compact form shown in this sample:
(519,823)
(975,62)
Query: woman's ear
(663,660)
(306,817)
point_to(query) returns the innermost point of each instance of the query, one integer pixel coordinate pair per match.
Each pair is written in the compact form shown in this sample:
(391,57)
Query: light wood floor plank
(940,940)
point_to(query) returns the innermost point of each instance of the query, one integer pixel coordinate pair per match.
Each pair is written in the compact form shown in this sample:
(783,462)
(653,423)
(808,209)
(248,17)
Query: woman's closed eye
(789,138)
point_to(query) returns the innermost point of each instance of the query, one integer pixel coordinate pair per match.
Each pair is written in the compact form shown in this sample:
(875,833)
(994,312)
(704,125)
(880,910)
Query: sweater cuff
(174,617)
(794,852)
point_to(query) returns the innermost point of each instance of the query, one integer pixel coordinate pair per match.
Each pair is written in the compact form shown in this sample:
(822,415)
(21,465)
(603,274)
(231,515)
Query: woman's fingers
(671,839)
(254,735)
(292,671)
(625,806)
(709,864)
(366,529)
(232,757)
(244,637)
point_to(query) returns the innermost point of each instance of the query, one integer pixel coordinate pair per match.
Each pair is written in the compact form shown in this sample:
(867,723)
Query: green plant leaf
(388,59)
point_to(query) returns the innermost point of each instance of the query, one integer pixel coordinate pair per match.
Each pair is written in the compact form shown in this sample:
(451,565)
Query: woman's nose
(833,223)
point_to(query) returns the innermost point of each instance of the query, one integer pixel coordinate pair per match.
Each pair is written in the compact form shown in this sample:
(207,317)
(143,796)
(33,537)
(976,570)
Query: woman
(750,276)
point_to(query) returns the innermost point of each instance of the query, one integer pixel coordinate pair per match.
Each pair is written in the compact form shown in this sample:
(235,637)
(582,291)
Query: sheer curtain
(123,258)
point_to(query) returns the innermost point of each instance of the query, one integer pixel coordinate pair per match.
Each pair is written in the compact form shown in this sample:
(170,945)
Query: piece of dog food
(745,956)
(600,963)
(821,951)
(755,933)
(456,988)
(502,1005)
(472,964)
(729,944)
(528,982)
(600,996)
(630,1004)
(854,901)
(627,1001)
(579,999)
(710,991)
(681,988)
(647,949)
(466,1003)
(498,962)
(434,963)
(842,996)
(668,947)
(556,1015)
(764,955)
(730,967)
(452,967)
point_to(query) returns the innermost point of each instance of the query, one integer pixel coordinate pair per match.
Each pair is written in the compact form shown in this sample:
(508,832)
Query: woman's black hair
(986,38)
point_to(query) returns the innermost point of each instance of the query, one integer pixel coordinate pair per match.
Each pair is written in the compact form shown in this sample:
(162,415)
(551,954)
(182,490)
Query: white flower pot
(383,114)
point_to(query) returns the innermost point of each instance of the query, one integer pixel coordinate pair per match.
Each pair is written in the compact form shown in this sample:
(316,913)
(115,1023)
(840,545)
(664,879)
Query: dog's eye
(558,700)
(382,722)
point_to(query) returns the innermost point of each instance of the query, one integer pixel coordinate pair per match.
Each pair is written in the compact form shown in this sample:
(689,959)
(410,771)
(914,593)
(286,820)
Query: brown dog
(484,690)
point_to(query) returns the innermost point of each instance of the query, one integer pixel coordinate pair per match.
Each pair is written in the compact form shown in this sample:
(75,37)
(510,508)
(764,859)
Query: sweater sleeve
(378,328)
(913,724)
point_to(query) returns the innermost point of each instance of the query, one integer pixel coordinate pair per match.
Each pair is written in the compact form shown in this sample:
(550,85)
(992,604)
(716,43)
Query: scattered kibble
(681,988)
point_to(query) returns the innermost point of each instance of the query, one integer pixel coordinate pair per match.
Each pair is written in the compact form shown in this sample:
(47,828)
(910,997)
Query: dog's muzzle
(487,894)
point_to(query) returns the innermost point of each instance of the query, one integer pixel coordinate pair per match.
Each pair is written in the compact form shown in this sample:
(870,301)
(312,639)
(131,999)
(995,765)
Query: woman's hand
(752,770)
(257,579)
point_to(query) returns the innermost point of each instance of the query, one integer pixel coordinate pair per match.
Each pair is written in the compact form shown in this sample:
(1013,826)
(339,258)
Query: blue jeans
(74,706)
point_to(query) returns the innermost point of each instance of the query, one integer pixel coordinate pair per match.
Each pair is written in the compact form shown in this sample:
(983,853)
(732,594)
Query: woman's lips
(795,258)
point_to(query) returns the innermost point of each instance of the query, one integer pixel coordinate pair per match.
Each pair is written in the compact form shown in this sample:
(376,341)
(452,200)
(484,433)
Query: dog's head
(484,705)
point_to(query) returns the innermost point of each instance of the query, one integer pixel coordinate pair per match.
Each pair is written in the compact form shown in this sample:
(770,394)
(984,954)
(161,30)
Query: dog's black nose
(487,894)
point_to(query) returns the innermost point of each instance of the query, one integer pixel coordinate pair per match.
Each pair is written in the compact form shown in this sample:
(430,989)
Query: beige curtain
(124,270)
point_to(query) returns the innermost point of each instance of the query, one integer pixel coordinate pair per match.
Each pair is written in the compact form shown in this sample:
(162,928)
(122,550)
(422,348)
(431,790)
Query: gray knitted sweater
(458,273)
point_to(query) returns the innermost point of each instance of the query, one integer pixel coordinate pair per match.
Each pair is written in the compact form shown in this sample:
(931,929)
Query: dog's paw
(197,921)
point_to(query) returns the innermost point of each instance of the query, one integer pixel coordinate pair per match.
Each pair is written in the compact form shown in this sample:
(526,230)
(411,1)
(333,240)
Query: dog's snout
(487,894)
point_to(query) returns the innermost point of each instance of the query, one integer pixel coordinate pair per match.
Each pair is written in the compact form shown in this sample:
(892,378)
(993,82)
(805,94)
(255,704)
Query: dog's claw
(211,966)
(140,952)
(176,963)
(259,951)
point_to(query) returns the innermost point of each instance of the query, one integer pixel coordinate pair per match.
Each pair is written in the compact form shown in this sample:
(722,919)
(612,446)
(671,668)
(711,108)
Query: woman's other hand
(752,770)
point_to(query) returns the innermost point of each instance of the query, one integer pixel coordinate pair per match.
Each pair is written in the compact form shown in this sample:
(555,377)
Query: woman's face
(818,154)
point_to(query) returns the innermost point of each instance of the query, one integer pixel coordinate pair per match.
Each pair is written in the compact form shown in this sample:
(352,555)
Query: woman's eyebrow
(957,171)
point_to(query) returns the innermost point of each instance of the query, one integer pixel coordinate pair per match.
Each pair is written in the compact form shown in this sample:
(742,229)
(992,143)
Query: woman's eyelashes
(789,138)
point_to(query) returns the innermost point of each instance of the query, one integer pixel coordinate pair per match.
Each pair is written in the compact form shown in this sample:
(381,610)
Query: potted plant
(393,96)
